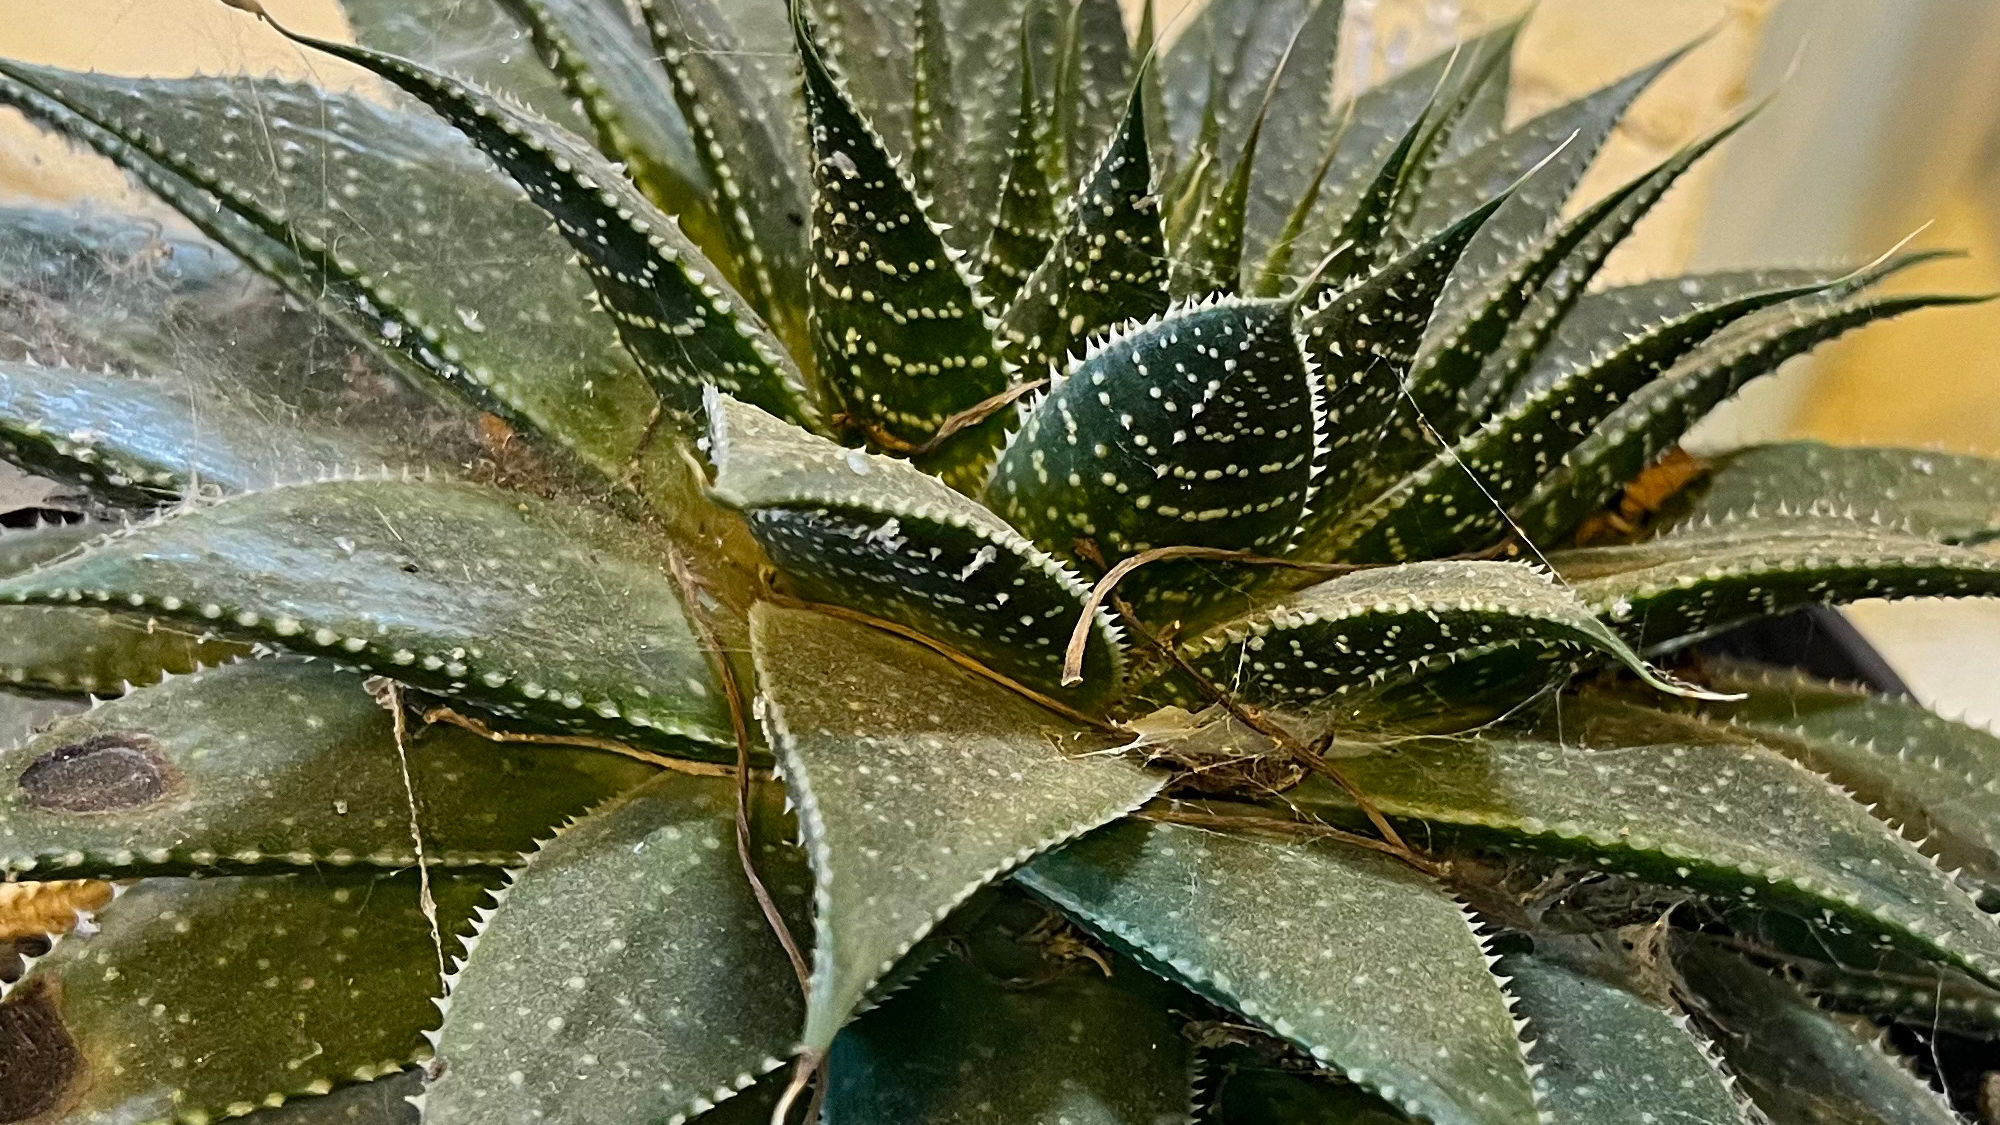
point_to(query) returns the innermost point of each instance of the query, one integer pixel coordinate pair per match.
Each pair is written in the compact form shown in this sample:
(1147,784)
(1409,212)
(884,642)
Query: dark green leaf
(1947,496)
(1249,1094)
(1604,320)
(1207,254)
(1654,418)
(875,534)
(1025,229)
(1568,137)
(1939,780)
(753,148)
(479,42)
(86,650)
(1107,267)
(869,43)
(489,302)
(1610,1058)
(1458,500)
(917,783)
(384,1101)
(964,1048)
(1314,942)
(1800,1065)
(1363,342)
(673,310)
(1674,590)
(139,441)
(202,999)
(1372,124)
(524,606)
(1480,359)
(605,63)
(270,764)
(902,337)
(934,122)
(1202,427)
(628,974)
(1374,629)
(1091,84)
(984,38)
(1736,821)
(1364,239)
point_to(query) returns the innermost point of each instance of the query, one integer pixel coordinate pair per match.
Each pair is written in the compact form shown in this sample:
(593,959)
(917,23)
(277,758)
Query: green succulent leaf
(1458,500)
(1893,985)
(525,607)
(271,764)
(605,62)
(480,43)
(1938,779)
(1254,1091)
(1313,942)
(1715,815)
(1610,1058)
(752,148)
(197,999)
(1363,341)
(90,290)
(1604,320)
(1222,62)
(1374,122)
(1201,427)
(1800,1065)
(1024,230)
(383,1101)
(1107,267)
(491,305)
(902,336)
(1208,255)
(1580,249)
(1378,628)
(917,783)
(964,1048)
(628,973)
(1091,83)
(876,534)
(673,310)
(1562,141)
(1365,240)
(1671,591)
(86,650)
(1947,496)
(1302,112)
(1649,422)
(140,441)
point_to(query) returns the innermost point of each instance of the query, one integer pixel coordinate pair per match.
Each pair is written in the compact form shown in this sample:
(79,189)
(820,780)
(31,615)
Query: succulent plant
(938,562)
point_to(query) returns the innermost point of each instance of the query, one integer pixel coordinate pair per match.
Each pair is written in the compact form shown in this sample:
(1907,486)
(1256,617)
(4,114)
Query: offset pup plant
(940,563)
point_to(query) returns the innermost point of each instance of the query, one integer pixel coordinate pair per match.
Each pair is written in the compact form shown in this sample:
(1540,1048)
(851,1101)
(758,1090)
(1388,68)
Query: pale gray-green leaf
(275,763)
(524,606)
(917,783)
(628,973)
(1352,956)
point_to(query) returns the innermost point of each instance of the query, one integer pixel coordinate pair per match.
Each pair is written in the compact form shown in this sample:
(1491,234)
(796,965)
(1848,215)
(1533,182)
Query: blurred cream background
(1888,118)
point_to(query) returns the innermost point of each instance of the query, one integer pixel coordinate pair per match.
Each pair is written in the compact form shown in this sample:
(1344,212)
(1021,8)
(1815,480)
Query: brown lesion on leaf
(106,772)
(42,1070)
(1644,498)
